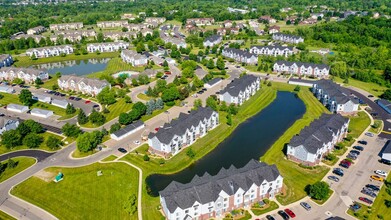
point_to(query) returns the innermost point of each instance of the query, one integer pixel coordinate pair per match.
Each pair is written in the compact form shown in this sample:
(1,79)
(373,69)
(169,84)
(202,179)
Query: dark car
(373,187)
(368,192)
(283,215)
(363,142)
(334,178)
(355,152)
(200,92)
(360,148)
(355,207)
(122,150)
(306,206)
(385,161)
(339,173)
(346,161)
(204,89)
(366,200)
(352,156)
(269,217)
(344,165)
(77,99)
(370,96)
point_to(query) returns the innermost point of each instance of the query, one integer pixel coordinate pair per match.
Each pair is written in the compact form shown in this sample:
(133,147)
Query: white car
(381,173)
(137,142)
(369,134)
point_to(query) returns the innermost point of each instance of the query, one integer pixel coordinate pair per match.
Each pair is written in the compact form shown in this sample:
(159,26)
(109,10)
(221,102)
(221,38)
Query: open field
(23,163)
(25,61)
(372,88)
(43,146)
(82,194)
(212,139)
(110,158)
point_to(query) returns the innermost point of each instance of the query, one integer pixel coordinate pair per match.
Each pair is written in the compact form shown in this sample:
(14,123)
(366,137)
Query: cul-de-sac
(195,109)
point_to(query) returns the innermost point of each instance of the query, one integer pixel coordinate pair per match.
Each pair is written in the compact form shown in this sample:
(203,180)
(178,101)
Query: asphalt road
(38,154)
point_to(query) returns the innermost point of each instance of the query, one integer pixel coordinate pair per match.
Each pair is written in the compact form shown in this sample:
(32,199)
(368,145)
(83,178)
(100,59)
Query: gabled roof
(272,47)
(213,38)
(41,111)
(30,71)
(181,124)
(129,128)
(340,94)
(206,188)
(287,35)
(60,102)
(306,65)
(88,81)
(7,122)
(238,85)
(320,131)
(239,52)
(213,81)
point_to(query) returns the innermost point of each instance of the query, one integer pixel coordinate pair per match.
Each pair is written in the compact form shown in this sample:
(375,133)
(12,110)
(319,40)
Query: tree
(140,47)
(165,63)
(197,103)
(190,152)
(127,99)
(130,204)
(212,103)
(23,129)
(97,118)
(106,96)
(188,72)
(84,142)
(53,142)
(232,109)
(210,64)
(25,97)
(11,163)
(124,118)
(339,69)
(386,94)
(198,83)
(319,190)
(229,119)
(140,108)
(151,106)
(11,139)
(170,94)
(297,88)
(70,130)
(82,118)
(220,63)
(32,140)
(115,127)
(159,103)
(38,82)
(70,109)
(143,79)
(34,126)
(146,157)
(387,73)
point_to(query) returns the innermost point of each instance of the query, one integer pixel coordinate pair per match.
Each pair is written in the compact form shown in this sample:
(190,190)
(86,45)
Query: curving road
(40,155)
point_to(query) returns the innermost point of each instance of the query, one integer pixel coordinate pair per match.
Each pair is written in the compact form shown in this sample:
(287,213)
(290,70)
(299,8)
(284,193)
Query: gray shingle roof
(239,52)
(335,91)
(271,47)
(129,128)
(313,65)
(239,84)
(320,131)
(213,38)
(10,124)
(287,35)
(179,125)
(213,81)
(206,188)
(387,148)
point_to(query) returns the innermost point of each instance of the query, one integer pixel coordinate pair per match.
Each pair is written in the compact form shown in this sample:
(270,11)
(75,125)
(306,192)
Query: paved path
(38,154)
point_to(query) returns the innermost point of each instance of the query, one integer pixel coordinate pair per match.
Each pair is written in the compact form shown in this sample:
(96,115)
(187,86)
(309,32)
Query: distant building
(62,103)
(128,130)
(212,40)
(267,19)
(83,85)
(41,113)
(288,38)
(8,124)
(50,51)
(107,47)
(119,35)
(207,196)
(240,90)
(36,30)
(112,24)
(6,60)
(275,50)
(66,26)
(302,69)
(37,38)
(318,139)
(28,75)
(237,10)
(183,131)
(158,20)
(134,58)
(176,41)
(17,108)
(240,56)
(128,16)
(301,82)
(274,29)
(336,98)
(200,21)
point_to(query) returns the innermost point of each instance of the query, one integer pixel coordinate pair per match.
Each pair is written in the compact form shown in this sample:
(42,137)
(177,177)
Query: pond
(78,67)
(250,140)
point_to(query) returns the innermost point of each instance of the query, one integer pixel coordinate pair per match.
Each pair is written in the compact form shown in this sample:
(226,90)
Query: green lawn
(110,158)
(115,65)
(372,88)
(267,208)
(25,61)
(358,124)
(211,140)
(142,96)
(377,130)
(321,202)
(5,216)
(23,163)
(43,146)
(296,178)
(82,194)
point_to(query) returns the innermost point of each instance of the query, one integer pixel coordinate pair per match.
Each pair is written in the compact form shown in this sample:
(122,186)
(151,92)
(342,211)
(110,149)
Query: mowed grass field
(296,178)
(82,194)
(202,147)
(23,163)
(5,216)
(372,88)
(115,65)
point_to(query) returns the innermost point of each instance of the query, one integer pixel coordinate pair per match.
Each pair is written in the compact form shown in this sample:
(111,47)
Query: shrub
(190,153)
(146,157)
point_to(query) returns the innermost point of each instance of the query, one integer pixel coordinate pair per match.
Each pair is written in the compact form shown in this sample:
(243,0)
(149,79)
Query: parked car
(306,206)
(269,217)
(363,142)
(77,99)
(290,213)
(355,207)
(339,173)
(122,150)
(373,187)
(360,148)
(377,178)
(71,98)
(283,215)
(388,162)
(368,192)
(136,142)
(381,173)
(346,161)
(355,152)
(365,200)
(334,178)
(87,102)
(352,156)
(157,129)
(204,89)
(344,165)
(167,73)
(369,134)
(370,96)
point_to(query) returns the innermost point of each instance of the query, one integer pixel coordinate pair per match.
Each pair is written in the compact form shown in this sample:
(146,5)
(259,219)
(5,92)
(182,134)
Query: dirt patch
(45,175)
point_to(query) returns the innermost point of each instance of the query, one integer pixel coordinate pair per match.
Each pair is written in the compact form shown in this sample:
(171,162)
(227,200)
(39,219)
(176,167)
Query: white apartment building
(50,51)
(240,90)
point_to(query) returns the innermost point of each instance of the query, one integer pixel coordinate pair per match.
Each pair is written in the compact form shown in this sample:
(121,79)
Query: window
(270,184)
(225,199)
(186,211)
(195,214)
(177,214)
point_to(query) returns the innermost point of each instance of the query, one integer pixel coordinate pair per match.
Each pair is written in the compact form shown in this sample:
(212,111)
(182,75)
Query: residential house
(240,90)
(200,21)
(107,47)
(112,24)
(274,50)
(267,19)
(240,56)
(37,38)
(237,10)
(50,51)
(83,33)
(288,38)
(128,16)
(274,29)
(71,37)
(318,139)
(7,124)
(41,113)
(17,108)
(177,41)
(134,58)
(336,98)
(206,197)
(128,130)
(212,40)
(7,89)
(227,31)
(227,24)
(158,20)
(6,60)
(302,69)
(309,21)
(28,75)
(119,36)
(183,131)
(83,85)
(66,26)
(146,31)
(36,30)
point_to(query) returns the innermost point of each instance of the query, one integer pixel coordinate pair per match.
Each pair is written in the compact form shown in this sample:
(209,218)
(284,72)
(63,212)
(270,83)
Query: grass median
(5,216)
(82,194)
(22,164)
